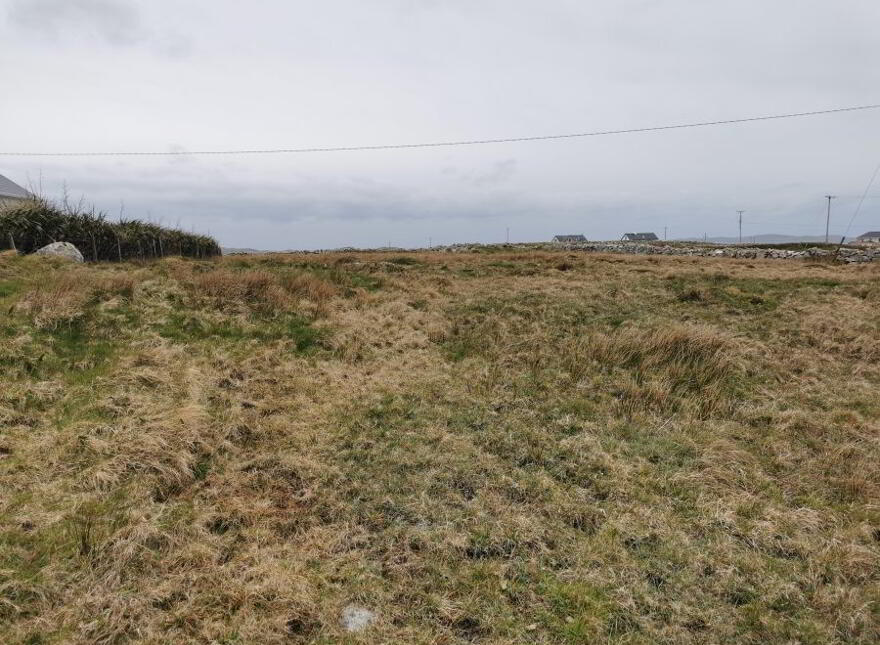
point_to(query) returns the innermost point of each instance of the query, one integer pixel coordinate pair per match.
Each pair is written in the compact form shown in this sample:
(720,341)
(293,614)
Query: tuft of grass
(58,302)
(318,291)
(698,355)
(255,288)
(64,299)
(690,295)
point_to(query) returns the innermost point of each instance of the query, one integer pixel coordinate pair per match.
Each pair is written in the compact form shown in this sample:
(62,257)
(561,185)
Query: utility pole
(828,217)
(508,235)
(664,233)
(740,226)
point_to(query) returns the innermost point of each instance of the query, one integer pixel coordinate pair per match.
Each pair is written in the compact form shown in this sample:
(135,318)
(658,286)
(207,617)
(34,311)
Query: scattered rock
(61,250)
(355,619)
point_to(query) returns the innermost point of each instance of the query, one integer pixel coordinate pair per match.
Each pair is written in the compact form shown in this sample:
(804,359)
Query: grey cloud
(172,45)
(501,171)
(114,21)
(498,173)
(296,200)
(118,23)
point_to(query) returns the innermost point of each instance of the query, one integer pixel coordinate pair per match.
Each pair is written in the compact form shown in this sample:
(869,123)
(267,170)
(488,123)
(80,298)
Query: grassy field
(494,448)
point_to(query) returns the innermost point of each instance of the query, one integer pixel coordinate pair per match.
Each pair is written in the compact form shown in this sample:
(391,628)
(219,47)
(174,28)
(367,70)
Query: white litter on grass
(355,618)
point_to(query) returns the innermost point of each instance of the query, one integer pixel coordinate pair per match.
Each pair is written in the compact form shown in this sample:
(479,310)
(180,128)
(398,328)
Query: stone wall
(845,254)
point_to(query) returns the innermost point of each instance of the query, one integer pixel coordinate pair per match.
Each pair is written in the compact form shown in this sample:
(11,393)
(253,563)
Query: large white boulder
(61,250)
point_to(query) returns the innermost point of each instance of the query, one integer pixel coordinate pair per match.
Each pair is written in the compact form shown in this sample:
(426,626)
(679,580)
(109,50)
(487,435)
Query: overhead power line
(437,144)
(861,202)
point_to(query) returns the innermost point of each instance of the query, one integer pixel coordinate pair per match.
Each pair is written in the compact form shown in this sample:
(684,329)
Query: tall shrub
(36,223)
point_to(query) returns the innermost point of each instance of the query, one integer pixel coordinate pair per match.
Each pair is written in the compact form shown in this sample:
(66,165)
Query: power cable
(438,144)
(861,201)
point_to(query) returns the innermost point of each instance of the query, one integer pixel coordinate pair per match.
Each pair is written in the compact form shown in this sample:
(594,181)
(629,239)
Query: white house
(11,193)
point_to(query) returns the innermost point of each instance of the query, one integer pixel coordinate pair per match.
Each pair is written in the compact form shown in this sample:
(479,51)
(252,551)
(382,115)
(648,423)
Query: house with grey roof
(11,193)
(639,237)
(562,239)
(871,237)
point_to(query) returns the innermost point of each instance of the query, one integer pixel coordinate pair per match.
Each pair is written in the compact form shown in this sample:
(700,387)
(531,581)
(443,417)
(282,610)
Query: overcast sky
(78,75)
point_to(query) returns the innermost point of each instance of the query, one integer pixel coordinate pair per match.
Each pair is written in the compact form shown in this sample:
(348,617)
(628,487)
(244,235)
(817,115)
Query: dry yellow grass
(495,448)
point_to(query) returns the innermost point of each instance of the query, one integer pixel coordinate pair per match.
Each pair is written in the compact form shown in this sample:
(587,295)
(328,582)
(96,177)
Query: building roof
(569,238)
(864,236)
(640,237)
(9,188)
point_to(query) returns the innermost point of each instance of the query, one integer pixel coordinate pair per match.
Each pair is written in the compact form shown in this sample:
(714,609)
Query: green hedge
(36,223)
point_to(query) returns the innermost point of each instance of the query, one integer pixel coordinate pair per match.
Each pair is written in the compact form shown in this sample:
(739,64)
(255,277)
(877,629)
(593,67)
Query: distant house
(562,239)
(11,193)
(639,237)
(871,237)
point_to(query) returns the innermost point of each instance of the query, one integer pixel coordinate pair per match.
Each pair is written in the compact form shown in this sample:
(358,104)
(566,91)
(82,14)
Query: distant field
(497,448)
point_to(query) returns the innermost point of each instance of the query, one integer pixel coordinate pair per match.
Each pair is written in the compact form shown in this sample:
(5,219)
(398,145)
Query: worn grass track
(494,448)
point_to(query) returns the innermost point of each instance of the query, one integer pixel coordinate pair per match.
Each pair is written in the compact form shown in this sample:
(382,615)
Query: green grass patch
(187,328)
(405,260)
(575,612)
(71,351)
(8,288)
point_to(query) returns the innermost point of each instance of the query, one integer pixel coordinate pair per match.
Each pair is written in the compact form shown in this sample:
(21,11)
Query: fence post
(94,247)
(161,250)
(12,241)
(118,245)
